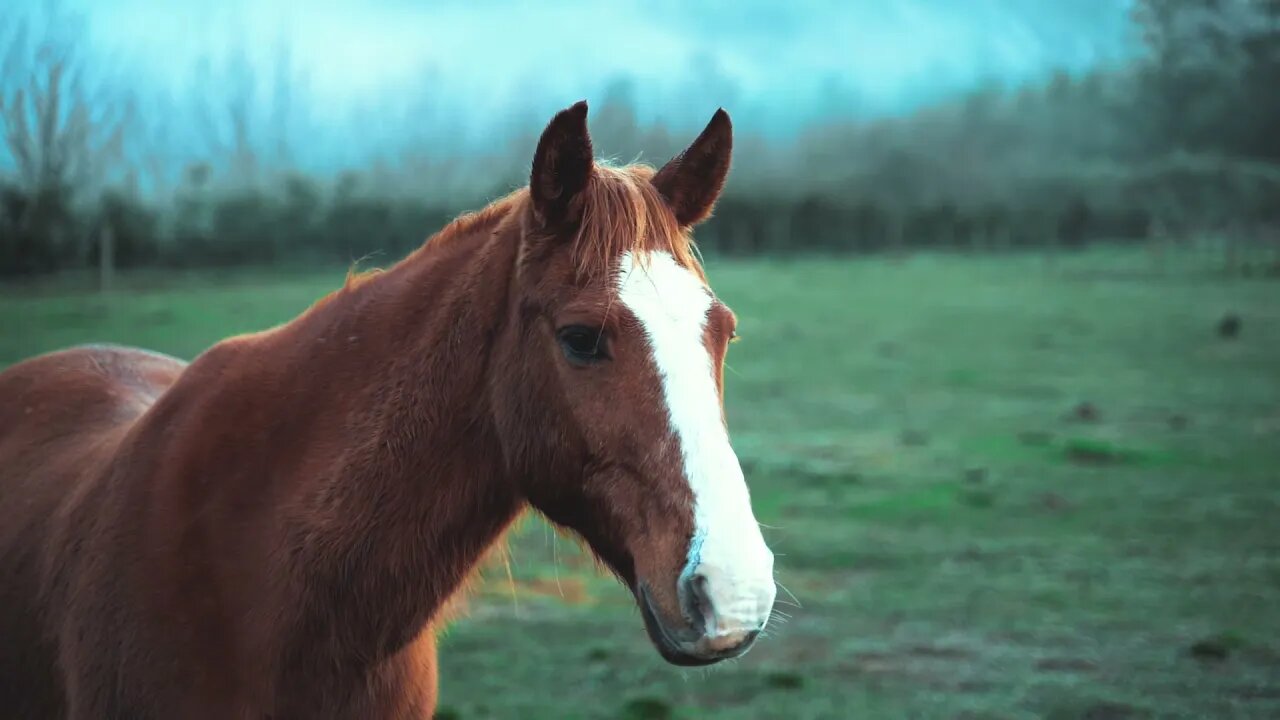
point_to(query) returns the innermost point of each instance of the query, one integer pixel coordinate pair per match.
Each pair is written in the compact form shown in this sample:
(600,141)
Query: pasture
(997,489)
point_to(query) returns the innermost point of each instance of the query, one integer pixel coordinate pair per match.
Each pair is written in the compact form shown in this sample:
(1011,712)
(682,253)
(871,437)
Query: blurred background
(1007,272)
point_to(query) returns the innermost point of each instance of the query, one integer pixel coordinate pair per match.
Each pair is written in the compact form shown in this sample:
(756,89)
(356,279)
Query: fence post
(106,259)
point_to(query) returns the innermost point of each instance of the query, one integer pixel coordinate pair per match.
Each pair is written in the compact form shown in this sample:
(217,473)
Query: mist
(349,82)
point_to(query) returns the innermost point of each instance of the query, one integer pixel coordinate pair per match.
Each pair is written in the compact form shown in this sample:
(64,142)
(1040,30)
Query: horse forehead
(661,292)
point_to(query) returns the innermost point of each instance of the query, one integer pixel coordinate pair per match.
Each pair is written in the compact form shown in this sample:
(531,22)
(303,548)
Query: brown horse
(272,530)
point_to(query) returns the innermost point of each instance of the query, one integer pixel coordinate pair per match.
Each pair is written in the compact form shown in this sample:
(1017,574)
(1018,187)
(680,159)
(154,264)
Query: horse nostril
(698,592)
(701,591)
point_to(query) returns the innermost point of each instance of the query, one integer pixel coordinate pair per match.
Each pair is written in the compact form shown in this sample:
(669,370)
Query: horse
(276,529)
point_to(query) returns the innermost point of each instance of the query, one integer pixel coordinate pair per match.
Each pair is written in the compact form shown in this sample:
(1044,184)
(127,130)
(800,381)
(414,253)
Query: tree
(247,127)
(62,128)
(1210,75)
(64,133)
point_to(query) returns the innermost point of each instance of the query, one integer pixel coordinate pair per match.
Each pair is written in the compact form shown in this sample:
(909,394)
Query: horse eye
(733,336)
(582,345)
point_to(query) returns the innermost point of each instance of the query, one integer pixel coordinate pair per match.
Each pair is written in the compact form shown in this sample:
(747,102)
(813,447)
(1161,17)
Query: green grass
(964,540)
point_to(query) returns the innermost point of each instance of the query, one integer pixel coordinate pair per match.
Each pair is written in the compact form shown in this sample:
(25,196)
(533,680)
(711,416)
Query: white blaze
(672,305)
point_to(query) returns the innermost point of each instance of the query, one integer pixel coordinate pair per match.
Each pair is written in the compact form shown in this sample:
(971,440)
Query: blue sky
(379,75)
(488,56)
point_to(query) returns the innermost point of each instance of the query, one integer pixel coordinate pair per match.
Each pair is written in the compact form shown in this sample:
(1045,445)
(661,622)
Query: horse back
(56,411)
(61,417)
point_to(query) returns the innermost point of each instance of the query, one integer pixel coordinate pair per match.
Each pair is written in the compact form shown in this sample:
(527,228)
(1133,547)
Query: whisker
(790,594)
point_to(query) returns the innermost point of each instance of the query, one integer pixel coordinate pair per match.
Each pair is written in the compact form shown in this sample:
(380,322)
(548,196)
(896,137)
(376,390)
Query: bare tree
(62,129)
(62,136)
(249,123)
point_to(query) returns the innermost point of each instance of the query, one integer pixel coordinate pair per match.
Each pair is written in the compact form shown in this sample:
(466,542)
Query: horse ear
(561,165)
(692,180)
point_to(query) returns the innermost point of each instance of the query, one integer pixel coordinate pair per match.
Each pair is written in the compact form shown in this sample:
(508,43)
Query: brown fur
(273,530)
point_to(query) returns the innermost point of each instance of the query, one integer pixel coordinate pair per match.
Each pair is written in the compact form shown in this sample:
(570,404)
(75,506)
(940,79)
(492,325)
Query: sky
(469,71)
(887,55)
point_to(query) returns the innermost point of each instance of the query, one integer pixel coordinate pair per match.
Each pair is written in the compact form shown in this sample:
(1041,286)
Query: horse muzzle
(715,627)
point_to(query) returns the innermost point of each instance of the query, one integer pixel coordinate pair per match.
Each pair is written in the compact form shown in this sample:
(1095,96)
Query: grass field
(996,489)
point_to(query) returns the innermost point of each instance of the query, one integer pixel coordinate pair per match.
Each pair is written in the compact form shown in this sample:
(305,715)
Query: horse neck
(421,459)
(358,439)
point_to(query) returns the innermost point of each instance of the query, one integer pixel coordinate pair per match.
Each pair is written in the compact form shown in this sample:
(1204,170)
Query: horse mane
(621,212)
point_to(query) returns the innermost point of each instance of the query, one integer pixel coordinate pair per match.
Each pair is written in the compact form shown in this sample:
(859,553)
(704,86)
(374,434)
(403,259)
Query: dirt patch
(1211,649)
(1054,502)
(1080,451)
(1085,412)
(784,680)
(877,663)
(920,662)
(647,708)
(940,652)
(1066,665)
